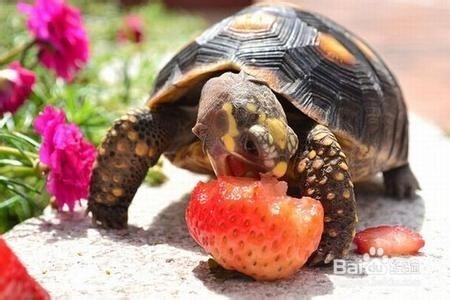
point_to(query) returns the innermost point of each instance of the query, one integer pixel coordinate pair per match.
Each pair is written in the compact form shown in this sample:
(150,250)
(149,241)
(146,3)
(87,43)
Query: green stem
(21,171)
(126,82)
(25,51)
(8,56)
(15,152)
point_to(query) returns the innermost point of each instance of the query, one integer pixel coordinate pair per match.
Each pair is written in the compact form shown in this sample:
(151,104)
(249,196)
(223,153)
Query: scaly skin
(133,144)
(324,175)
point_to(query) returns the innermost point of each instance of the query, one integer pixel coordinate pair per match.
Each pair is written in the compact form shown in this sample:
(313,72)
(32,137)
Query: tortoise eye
(250,147)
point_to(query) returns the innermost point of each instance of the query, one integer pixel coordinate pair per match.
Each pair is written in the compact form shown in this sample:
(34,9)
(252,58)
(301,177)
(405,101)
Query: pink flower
(69,156)
(132,30)
(60,35)
(15,87)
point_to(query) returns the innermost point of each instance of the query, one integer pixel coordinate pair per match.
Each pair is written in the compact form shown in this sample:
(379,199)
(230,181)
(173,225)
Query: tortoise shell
(326,72)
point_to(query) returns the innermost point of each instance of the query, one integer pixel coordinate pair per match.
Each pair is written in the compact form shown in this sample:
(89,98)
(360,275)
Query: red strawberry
(252,226)
(394,240)
(15,283)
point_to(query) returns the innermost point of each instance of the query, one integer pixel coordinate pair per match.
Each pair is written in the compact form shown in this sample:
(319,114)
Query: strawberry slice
(394,240)
(252,227)
(15,283)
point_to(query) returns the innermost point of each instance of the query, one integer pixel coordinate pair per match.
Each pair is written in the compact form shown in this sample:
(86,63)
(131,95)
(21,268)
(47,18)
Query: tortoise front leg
(132,145)
(325,176)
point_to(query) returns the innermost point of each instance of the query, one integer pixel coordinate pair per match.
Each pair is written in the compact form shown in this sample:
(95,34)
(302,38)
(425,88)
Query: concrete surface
(157,258)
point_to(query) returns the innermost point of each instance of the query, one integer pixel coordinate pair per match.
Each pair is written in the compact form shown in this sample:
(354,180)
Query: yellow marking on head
(278,130)
(252,22)
(280,169)
(229,143)
(228,138)
(251,107)
(232,125)
(334,50)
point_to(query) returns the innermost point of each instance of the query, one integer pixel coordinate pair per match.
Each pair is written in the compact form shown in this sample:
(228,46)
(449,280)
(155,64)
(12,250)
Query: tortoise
(274,90)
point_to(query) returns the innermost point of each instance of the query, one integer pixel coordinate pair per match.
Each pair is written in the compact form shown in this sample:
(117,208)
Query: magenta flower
(68,155)
(132,30)
(60,35)
(15,87)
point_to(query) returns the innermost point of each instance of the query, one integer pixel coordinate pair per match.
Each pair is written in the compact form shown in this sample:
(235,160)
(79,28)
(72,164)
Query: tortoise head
(243,127)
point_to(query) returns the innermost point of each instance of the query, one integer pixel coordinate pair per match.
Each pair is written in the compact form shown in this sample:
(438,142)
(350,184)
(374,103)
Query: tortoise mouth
(234,164)
(239,166)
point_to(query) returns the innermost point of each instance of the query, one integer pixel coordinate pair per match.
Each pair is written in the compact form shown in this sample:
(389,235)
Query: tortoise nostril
(250,147)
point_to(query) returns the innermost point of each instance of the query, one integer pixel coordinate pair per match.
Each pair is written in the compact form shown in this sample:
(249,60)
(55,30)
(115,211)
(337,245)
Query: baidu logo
(375,263)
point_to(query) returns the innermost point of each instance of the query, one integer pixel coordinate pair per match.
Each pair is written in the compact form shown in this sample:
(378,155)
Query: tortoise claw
(320,259)
(107,216)
(400,183)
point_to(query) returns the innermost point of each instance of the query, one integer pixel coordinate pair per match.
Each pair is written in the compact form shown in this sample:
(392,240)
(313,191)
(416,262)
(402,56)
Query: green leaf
(27,139)
(8,181)
(9,202)
(10,162)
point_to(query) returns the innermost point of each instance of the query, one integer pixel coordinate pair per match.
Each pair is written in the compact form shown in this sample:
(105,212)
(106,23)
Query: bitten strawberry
(394,240)
(15,283)
(252,226)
